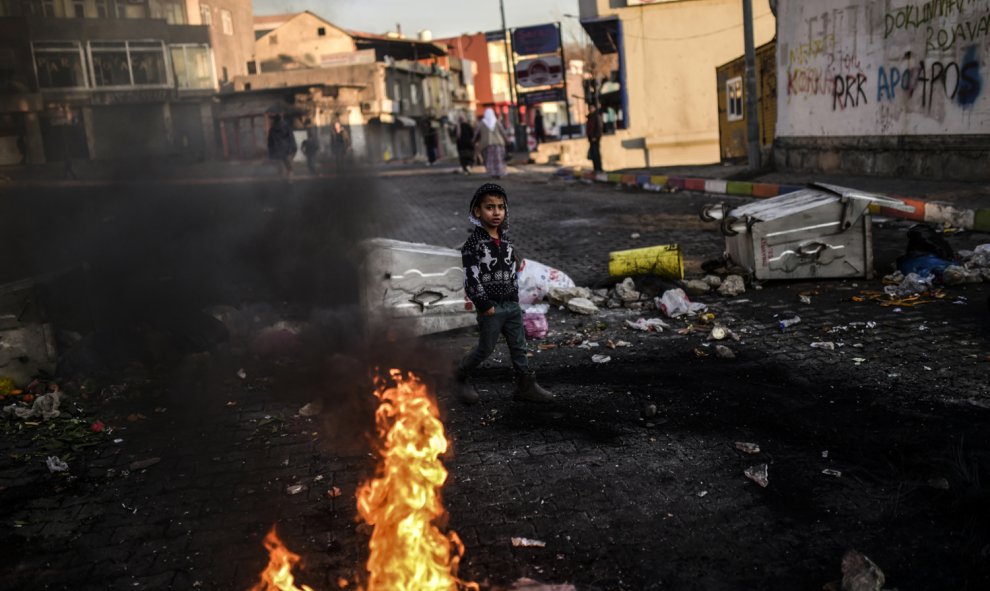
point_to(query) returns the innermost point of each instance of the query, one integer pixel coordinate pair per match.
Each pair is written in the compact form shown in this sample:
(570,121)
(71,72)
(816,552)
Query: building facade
(96,79)
(733,125)
(894,88)
(389,91)
(659,104)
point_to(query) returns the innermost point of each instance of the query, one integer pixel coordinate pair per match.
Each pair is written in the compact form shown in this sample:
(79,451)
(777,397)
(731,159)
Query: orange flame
(408,552)
(278,575)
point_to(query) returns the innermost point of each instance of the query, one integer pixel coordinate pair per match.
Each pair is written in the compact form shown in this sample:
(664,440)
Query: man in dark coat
(282,145)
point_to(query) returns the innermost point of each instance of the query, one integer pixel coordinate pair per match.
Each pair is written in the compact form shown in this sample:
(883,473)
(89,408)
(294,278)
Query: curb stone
(935,212)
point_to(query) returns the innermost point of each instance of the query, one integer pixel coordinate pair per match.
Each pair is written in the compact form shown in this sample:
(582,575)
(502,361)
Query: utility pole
(509,67)
(752,124)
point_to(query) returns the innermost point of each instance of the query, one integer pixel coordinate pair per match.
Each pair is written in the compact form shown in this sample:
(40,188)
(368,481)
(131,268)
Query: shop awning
(604,33)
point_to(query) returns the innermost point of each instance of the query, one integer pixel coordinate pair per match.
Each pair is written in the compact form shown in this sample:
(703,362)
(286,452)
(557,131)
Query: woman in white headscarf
(492,138)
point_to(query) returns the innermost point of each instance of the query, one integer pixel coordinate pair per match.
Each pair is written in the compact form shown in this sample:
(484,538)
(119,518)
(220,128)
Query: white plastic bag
(674,303)
(536,279)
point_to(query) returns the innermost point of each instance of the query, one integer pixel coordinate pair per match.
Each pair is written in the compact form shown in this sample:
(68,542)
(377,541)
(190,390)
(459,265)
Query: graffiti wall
(891,67)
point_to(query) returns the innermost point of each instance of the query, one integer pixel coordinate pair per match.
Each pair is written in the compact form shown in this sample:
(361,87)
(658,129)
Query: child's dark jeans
(508,321)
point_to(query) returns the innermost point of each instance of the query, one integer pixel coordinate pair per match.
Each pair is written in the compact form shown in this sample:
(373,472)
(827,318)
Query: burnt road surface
(897,409)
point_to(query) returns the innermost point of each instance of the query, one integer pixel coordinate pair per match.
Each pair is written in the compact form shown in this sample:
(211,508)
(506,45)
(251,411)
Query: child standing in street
(490,266)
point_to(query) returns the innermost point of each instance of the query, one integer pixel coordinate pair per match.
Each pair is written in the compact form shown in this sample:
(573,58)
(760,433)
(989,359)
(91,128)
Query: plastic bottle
(789,322)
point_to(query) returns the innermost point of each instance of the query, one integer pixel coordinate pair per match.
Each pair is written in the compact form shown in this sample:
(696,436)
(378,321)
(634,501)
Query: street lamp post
(752,125)
(509,67)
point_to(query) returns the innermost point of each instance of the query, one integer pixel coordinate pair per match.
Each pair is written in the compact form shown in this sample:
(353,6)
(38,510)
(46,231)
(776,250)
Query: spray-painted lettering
(961,82)
(967,31)
(914,16)
(848,91)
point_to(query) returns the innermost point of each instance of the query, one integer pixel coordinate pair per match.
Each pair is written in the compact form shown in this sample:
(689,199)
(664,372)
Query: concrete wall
(671,52)
(297,44)
(884,88)
(231,53)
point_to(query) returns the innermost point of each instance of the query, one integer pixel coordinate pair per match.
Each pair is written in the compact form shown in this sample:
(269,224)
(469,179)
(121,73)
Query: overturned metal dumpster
(413,288)
(823,231)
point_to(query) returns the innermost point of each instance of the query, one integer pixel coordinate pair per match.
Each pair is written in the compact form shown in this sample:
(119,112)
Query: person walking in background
(340,144)
(594,129)
(282,145)
(311,146)
(465,145)
(431,139)
(538,130)
(492,138)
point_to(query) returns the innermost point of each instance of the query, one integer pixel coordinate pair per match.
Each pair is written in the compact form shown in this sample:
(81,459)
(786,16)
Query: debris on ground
(723,352)
(696,287)
(647,324)
(674,303)
(826,345)
(55,464)
(859,573)
(535,321)
(649,411)
(295,489)
(311,409)
(44,407)
(582,306)
(832,472)
(788,322)
(528,543)
(525,584)
(142,464)
(600,358)
(536,280)
(758,474)
(746,447)
(732,286)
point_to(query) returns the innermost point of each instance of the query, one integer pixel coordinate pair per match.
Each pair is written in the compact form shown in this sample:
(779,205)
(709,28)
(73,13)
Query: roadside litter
(44,407)
(674,303)
(647,325)
(664,260)
(758,474)
(746,447)
(55,464)
(528,543)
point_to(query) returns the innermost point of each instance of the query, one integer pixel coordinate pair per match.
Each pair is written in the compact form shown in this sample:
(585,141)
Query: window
(273,39)
(734,99)
(205,15)
(59,64)
(174,13)
(252,68)
(226,22)
(414,93)
(321,32)
(79,8)
(48,8)
(396,92)
(192,65)
(102,10)
(128,63)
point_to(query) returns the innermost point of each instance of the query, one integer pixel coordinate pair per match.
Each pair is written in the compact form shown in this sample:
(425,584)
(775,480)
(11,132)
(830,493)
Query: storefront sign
(156,95)
(536,40)
(541,71)
(551,95)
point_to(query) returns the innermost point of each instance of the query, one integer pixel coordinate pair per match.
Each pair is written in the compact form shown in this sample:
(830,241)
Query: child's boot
(527,390)
(463,389)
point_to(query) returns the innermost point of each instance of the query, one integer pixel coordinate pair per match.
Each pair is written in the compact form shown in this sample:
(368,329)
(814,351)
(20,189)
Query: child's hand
(490,311)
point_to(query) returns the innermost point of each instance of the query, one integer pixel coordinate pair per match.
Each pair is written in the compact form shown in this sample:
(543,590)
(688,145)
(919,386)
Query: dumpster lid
(814,196)
(881,200)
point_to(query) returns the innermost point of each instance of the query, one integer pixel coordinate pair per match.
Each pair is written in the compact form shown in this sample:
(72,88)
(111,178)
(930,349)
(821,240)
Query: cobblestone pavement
(899,407)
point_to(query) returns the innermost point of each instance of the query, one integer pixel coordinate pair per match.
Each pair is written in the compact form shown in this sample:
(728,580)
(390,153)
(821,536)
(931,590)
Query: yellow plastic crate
(664,260)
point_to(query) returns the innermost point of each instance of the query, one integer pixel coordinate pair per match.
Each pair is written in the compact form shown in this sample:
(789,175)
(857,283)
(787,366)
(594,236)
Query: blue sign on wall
(536,40)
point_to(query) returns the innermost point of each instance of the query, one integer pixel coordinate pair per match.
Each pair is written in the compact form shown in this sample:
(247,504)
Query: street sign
(494,36)
(541,71)
(550,95)
(536,40)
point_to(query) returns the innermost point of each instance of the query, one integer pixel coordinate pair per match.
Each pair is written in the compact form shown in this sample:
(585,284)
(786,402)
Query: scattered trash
(97,427)
(44,407)
(142,464)
(957,275)
(927,252)
(536,280)
(311,409)
(647,325)
(746,447)
(295,489)
(732,286)
(713,280)
(702,494)
(858,360)
(334,492)
(55,464)
(582,306)
(827,345)
(559,296)
(758,474)
(525,584)
(697,287)
(805,299)
(626,291)
(634,235)
(588,345)
(663,261)
(789,322)
(912,284)
(859,573)
(535,321)
(723,352)
(600,358)
(528,543)
(824,453)
(649,411)
(719,332)
(675,302)
(831,472)
(242,374)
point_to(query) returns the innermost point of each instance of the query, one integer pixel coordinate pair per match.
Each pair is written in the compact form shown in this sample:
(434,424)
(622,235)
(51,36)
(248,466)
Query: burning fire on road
(408,552)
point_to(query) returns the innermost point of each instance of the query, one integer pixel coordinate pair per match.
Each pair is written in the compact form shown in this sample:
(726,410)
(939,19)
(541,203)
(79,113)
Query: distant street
(633,481)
